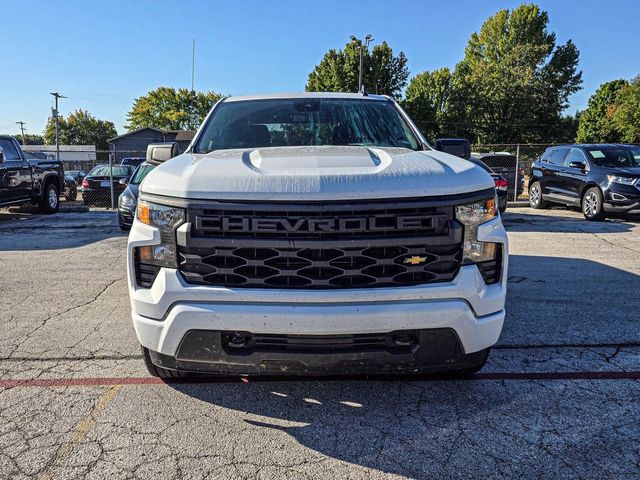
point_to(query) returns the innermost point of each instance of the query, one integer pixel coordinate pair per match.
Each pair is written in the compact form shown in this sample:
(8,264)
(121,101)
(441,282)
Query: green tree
(170,109)
(514,81)
(566,129)
(30,138)
(426,101)
(626,115)
(80,128)
(383,72)
(596,122)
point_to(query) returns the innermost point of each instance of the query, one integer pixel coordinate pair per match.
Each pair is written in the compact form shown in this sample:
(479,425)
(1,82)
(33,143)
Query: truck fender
(48,177)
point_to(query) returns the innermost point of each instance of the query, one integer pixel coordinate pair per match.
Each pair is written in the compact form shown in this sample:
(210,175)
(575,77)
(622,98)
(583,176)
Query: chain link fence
(512,161)
(102,188)
(97,180)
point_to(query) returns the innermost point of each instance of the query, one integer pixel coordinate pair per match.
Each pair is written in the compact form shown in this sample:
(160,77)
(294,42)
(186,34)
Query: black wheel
(502,206)
(593,205)
(159,371)
(50,202)
(72,193)
(480,361)
(87,200)
(535,196)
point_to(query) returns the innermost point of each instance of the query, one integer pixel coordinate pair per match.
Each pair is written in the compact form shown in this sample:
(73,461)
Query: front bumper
(420,351)
(126,215)
(622,199)
(164,314)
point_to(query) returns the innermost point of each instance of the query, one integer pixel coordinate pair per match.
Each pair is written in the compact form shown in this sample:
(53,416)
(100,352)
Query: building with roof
(134,144)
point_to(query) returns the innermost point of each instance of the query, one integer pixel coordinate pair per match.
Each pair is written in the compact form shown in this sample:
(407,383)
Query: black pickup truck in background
(24,180)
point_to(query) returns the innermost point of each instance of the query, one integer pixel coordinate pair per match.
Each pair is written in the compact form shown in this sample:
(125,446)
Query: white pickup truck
(315,234)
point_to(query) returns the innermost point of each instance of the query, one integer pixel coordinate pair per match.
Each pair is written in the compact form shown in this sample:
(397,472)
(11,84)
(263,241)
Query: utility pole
(193,65)
(22,124)
(193,90)
(55,116)
(358,43)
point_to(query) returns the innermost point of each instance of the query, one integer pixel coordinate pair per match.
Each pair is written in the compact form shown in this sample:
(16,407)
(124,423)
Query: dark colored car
(128,200)
(77,175)
(504,164)
(96,186)
(70,188)
(132,161)
(500,182)
(599,178)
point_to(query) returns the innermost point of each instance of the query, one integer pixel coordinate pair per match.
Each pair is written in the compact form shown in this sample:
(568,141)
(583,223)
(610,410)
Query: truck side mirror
(124,181)
(460,147)
(1,155)
(161,152)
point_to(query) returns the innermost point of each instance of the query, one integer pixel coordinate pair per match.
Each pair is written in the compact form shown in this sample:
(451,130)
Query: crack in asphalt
(57,315)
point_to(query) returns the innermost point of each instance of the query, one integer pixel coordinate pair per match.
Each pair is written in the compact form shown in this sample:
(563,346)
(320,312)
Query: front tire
(50,202)
(593,205)
(160,372)
(535,196)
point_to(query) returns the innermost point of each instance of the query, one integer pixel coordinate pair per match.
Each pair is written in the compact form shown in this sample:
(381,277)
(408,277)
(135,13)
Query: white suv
(316,233)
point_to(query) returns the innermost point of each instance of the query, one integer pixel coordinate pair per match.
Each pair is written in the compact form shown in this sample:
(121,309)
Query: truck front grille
(380,244)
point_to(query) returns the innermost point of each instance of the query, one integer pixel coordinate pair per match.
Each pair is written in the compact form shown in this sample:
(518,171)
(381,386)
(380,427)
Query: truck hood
(314,173)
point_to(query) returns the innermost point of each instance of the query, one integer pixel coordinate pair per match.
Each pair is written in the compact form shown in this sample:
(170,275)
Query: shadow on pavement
(570,301)
(430,430)
(22,230)
(566,222)
(397,428)
(411,427)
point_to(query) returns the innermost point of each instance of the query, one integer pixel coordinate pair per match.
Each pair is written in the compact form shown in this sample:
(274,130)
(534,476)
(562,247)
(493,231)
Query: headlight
(161,216)
(471,216)
(621,180)
(167,219)
(127,200)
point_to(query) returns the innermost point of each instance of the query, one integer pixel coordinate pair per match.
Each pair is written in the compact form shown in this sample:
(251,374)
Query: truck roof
(275,96)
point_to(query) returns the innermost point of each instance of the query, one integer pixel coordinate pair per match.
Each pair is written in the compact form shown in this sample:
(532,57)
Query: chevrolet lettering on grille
(377,223)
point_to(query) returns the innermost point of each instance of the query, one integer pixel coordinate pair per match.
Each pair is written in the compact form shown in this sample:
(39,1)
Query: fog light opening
(617,197)
(403,339)
(238,340)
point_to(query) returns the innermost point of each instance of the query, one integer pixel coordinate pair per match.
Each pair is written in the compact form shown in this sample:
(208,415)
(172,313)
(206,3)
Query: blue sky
(104,54)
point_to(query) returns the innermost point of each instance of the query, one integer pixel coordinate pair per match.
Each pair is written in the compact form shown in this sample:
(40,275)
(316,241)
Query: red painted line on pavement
(97,381)
(556,376)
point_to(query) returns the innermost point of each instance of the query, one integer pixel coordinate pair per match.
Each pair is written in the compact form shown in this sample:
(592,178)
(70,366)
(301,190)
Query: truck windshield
(305,122)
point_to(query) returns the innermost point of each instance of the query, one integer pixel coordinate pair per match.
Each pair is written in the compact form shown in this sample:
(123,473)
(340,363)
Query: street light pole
(55,115)
(358,43)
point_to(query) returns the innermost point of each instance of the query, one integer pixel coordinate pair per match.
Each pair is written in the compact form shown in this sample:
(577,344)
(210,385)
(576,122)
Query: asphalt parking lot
(560,396)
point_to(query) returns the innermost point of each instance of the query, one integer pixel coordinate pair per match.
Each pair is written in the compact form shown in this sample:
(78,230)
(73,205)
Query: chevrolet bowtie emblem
(415,260)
